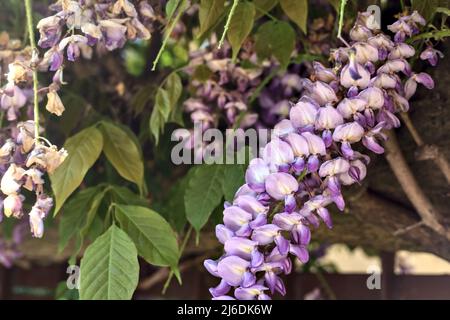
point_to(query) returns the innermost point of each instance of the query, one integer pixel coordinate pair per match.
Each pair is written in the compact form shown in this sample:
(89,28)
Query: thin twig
(34,51)
(404,230)
(227,24)
(181,10)
(410,186)
(341,22)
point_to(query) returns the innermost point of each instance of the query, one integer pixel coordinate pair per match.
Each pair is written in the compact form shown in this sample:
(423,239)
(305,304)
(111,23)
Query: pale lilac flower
(431,55)
(233,269)
(303,114)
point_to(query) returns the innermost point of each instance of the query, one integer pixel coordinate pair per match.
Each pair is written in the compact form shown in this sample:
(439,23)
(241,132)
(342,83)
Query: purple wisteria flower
(313,154)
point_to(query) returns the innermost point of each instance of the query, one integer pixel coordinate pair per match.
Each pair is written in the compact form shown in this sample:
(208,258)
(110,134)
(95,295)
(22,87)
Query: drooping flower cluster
(223,90)
(78,26)
(23,162)
(312,155)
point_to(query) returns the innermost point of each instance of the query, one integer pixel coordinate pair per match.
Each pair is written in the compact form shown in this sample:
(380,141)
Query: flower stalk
(32,40)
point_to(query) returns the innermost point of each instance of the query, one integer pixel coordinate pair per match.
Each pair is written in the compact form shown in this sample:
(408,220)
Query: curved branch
(410,186)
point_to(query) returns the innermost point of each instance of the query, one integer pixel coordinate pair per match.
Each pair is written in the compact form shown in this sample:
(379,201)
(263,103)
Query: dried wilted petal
(12,205)
(54,103)
(12,179)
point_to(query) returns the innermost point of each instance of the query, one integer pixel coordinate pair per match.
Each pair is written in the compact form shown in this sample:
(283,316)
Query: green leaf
(74,215)
(173,208)
(123,195)
(92,212)
(109,269)
(153,236)
(171,6)
(123,153)
(203,194)
(209,14)
(275,38)
(263,6)
(240,25)
(84,149)
(297,11)
(233,178)
(166,99)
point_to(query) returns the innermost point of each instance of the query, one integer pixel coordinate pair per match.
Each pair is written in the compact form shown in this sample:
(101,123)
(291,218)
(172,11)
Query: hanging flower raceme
(222,90)
(24,160)
(303,169)
(79,26)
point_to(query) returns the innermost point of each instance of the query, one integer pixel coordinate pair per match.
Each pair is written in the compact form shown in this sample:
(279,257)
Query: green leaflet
(109,269)
(203,194)
(123,153)
(297,11)
(74,217)
(233,178)
(153,236)
(166,99)
(209,14)
(263,6)
(275,38)
(84,149)
(240,26)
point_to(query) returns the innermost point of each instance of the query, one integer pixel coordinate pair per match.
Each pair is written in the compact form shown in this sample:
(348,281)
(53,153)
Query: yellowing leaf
(123,153)
(240,25)
(297,11)
(84,149)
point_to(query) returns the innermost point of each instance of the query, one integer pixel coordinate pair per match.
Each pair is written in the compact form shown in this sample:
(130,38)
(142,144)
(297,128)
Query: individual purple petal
(302,234)
(232,269)
(425,79)
(303,114)
(325,215)
(279,185)
(371,144)
(328,117)
(211,266)
(221,290)
(334,167)
(282,244)
(315,144)
(350,132)
(249,279)
(257,258)
(235,217)
(286,221)
(223,233)
(278,153)
(300,252)
(240,247)
(250,293)
(260,220)
(265,234)
(250,204)
(289,203)
(256,174)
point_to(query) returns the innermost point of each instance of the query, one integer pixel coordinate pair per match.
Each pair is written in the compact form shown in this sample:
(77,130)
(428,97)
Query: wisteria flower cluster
(313,154)
(23,160)
(78,26)
(223,99)
(75,28)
